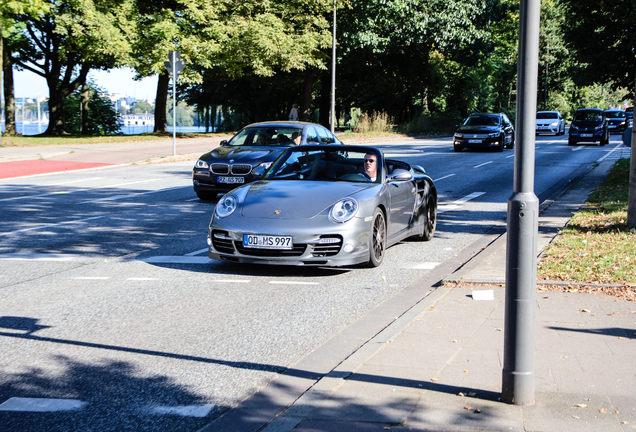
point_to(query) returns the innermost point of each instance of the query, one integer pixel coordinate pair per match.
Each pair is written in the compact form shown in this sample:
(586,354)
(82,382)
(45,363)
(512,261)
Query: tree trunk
(161,100)
(56,111)
(9,100)
(305,104)
(85,97)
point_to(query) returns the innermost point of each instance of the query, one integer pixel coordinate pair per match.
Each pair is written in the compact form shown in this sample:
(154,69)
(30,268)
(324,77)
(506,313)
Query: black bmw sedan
(245,157)
(485,131)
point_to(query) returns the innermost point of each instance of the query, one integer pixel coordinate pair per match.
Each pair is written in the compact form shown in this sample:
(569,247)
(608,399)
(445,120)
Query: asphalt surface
(438,365)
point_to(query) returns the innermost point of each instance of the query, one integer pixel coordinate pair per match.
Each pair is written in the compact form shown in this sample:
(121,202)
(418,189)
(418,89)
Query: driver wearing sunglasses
(371,166)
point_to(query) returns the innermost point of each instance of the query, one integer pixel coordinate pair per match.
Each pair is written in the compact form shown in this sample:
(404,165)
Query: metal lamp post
(333,72)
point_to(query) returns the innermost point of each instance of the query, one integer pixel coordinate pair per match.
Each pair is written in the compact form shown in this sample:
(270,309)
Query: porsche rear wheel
(377,242)
(430,221)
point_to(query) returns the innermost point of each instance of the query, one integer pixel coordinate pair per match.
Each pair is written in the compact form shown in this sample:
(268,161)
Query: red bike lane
(41,166)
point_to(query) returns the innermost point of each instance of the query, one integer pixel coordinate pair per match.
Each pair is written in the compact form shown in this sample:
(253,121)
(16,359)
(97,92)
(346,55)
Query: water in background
(34,129)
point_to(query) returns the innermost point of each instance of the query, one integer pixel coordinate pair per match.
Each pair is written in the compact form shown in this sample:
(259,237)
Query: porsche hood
(295,199)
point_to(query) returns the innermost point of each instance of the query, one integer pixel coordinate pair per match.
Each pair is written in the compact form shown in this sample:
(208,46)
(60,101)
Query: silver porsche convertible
(324,206)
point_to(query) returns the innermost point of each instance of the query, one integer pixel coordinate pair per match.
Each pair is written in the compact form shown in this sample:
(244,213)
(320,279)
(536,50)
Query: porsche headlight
(226,206)
(201,164)
(344,210)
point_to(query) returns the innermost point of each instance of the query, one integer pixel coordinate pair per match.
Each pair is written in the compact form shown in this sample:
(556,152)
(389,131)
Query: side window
(323,135)
(330,137)
(312,136)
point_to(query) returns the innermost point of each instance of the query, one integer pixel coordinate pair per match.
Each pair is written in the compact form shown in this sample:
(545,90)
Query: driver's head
(371,165)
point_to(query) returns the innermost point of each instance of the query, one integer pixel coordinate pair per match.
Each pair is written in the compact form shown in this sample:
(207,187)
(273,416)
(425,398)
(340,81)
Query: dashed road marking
(177,260)
(20,404)
(51,225)
(481,165)
(199,252)
(119,197)
(37,257)
(456,204)
(442,178)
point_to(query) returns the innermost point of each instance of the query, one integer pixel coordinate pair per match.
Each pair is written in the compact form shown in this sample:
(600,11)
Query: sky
(29,85)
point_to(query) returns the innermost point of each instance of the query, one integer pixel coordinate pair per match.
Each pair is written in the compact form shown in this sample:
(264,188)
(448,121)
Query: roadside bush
(376,122)
(433,123)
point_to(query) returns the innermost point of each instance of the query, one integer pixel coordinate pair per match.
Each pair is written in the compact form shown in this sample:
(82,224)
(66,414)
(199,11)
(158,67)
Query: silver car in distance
(320,206)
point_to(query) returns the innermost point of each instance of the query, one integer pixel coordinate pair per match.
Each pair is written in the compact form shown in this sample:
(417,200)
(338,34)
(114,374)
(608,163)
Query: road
(113,318)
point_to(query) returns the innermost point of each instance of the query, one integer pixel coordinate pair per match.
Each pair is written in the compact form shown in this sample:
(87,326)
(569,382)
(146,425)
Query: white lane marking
(422,266)
(91,278)
(198,411)
(456,204)
(19,404)
(578,148)
(194,199)
(442,178)
(52,225)
(73,191)
(177,260)
(200,251)
(118,197)
(292,283)
(37,257)
(141,279)
(607,155)
(481,165)
(512,155)
(43,195)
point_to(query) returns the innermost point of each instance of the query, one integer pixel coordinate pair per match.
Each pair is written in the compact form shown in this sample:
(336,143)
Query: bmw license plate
(586,135)
(230,180)
(474,141)
(267,241)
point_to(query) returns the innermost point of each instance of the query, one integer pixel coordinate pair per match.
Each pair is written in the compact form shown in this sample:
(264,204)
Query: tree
(226,40)
(88,112)
(602,36)
(69,40)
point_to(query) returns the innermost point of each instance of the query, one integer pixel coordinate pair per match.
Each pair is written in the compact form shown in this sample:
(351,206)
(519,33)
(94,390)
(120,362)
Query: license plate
(267,241)
(230,180)
(586,135)
(474,141)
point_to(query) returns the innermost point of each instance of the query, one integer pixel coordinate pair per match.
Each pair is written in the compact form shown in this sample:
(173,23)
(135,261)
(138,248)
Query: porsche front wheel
(377,242)
(430,221)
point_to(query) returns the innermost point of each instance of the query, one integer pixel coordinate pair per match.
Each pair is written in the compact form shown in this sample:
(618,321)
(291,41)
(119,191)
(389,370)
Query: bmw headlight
(226,206)
(458,135)
(344,210)
(201,164)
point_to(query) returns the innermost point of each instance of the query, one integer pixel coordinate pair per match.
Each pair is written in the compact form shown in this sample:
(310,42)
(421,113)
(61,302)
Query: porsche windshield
(332,165)
(266,136)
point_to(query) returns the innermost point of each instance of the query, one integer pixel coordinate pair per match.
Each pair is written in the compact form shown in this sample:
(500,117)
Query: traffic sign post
(174,67)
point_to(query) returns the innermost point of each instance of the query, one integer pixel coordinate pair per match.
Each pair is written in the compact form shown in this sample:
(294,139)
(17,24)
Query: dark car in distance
(616,120)
(589,125)
(485,131)
(246,156)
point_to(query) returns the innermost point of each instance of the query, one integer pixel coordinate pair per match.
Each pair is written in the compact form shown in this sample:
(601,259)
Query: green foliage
(142,107)
(601,34)
(185,114)
(102,118)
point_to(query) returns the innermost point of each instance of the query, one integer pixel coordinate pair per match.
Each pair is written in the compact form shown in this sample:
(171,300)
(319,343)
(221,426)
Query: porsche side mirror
(224,142)
(400,175)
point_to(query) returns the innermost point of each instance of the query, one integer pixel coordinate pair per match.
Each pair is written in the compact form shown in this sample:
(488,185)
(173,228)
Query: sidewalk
(438,367)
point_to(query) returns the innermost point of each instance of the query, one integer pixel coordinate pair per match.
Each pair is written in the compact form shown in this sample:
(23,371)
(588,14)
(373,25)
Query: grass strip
(596,246)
